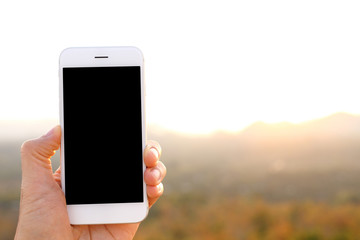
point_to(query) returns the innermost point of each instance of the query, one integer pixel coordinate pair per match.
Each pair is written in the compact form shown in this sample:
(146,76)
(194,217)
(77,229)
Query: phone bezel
(109,56)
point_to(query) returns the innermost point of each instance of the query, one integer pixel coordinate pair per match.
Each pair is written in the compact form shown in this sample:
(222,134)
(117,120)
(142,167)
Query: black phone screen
(102,125)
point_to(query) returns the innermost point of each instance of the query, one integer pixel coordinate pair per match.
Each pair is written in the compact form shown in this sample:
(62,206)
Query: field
(192,216)
(279,181)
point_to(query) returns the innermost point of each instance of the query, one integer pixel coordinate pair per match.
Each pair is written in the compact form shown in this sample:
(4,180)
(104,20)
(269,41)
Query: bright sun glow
(208,65)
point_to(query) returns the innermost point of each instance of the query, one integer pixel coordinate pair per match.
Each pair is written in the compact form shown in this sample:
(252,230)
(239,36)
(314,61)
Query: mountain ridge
(338,124)
(341,124)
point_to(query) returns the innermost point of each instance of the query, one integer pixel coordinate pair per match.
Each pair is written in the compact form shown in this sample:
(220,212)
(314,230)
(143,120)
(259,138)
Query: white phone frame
(106,56)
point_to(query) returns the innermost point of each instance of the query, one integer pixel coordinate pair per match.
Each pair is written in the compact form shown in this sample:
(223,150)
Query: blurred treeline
(278,181)
(193,216)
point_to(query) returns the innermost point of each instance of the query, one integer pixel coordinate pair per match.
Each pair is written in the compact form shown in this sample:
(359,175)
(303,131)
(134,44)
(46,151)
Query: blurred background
(255,104)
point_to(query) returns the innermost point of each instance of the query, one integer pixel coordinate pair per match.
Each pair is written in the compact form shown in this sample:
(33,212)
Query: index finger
(152,153)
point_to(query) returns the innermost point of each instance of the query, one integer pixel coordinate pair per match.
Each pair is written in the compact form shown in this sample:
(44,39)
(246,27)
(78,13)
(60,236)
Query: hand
(43,213)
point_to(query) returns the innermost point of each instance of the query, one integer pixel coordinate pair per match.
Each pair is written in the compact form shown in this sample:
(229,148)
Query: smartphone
(102,118)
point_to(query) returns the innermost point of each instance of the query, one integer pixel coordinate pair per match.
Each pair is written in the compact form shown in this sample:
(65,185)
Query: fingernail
(160,187)
(155,152)
(156,173)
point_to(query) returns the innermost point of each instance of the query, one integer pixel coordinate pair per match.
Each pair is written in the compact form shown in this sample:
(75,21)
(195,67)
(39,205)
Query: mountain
(339,124)
(337,132)
(318,159)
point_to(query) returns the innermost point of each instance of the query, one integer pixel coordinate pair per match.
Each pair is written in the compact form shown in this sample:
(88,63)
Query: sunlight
(267,70)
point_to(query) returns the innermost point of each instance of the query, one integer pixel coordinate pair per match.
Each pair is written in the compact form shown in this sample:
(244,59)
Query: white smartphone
(102,118)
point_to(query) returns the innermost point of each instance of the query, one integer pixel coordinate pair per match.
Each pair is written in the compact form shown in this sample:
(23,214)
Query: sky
(209,65)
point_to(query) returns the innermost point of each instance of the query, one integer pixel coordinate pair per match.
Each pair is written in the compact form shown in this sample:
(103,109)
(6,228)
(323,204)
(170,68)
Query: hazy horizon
(23,129)
(312,168)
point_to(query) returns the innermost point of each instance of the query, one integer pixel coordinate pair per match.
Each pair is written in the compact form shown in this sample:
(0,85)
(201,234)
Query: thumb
(36,154)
